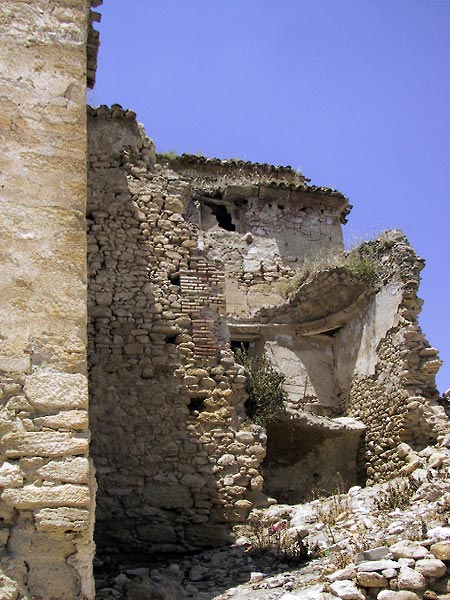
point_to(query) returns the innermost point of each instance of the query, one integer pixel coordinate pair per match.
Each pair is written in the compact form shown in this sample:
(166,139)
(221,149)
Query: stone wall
(385,367)
(262,223)
(167,398)
(46,479)
(181,252)
(175,464)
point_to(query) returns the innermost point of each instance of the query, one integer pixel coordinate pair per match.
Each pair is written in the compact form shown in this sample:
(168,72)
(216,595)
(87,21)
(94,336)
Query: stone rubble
(413,564)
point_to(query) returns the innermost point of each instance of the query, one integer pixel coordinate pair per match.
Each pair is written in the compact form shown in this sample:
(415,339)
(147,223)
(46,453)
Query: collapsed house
(188,258)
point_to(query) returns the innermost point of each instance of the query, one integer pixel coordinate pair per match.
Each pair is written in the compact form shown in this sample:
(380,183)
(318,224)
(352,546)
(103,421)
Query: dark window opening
(175,278)
(240,345)
(170,339)
(280,206)
(222,215)
(196,404)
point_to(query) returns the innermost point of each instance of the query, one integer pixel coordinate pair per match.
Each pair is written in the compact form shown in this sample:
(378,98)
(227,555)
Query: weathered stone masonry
(179,265)
(173,462)
(386,374)
(186,256)
(46,478)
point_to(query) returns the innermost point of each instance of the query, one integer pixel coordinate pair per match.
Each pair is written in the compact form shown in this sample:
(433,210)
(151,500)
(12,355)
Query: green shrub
(361,263)
(266,395)
(169,155)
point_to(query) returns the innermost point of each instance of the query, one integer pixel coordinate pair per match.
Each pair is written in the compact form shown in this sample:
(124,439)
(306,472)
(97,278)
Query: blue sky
(355,93)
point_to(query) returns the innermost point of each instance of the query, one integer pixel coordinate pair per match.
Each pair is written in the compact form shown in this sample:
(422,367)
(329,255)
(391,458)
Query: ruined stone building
(187,258)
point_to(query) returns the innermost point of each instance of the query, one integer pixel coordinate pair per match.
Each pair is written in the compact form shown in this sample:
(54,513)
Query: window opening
(240,345)
(222,215)
(196,404)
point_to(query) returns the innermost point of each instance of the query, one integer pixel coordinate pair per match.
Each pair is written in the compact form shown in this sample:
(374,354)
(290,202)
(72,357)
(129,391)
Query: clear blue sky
(355,93)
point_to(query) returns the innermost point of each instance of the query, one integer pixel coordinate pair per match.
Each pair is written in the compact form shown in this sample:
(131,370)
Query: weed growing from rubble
(169,155)
(360,262)
(398,494)
(341,559)
(322,261)
(333,507)
(266,395)
(272,535)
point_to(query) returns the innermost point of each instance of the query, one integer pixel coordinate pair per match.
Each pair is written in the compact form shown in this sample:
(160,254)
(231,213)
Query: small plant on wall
(361,262)
(266,395)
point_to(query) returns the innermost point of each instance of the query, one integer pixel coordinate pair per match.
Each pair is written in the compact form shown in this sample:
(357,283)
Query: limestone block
(345,573)
(63,518)
(431,567)
(441,550)
(401,595)
(10,475)
(42,443)
(19,364)
(377,565)
(65,419)
(50,391)
(226,460)
(389,573)
(407,562)
(409,579)
(37,300)
(243,504)
(346,590)
(257,483)
(32,496)
(408,549)
(372,554)
(371,580)
(256,450)
(438,534)
(236,448)
(245,437)
(72,470)
(82,561)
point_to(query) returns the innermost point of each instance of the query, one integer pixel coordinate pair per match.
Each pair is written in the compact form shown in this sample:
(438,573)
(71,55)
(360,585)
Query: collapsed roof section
(236,180)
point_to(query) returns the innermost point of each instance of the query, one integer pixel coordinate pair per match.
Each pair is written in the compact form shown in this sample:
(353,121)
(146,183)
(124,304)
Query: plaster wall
(46,479)
(274,236)
(308,365)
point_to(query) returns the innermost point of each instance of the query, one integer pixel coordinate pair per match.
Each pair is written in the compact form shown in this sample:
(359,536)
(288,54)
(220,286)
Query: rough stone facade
(183,264)
(187,258)
(386,367)
(174,462)
(261,222)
